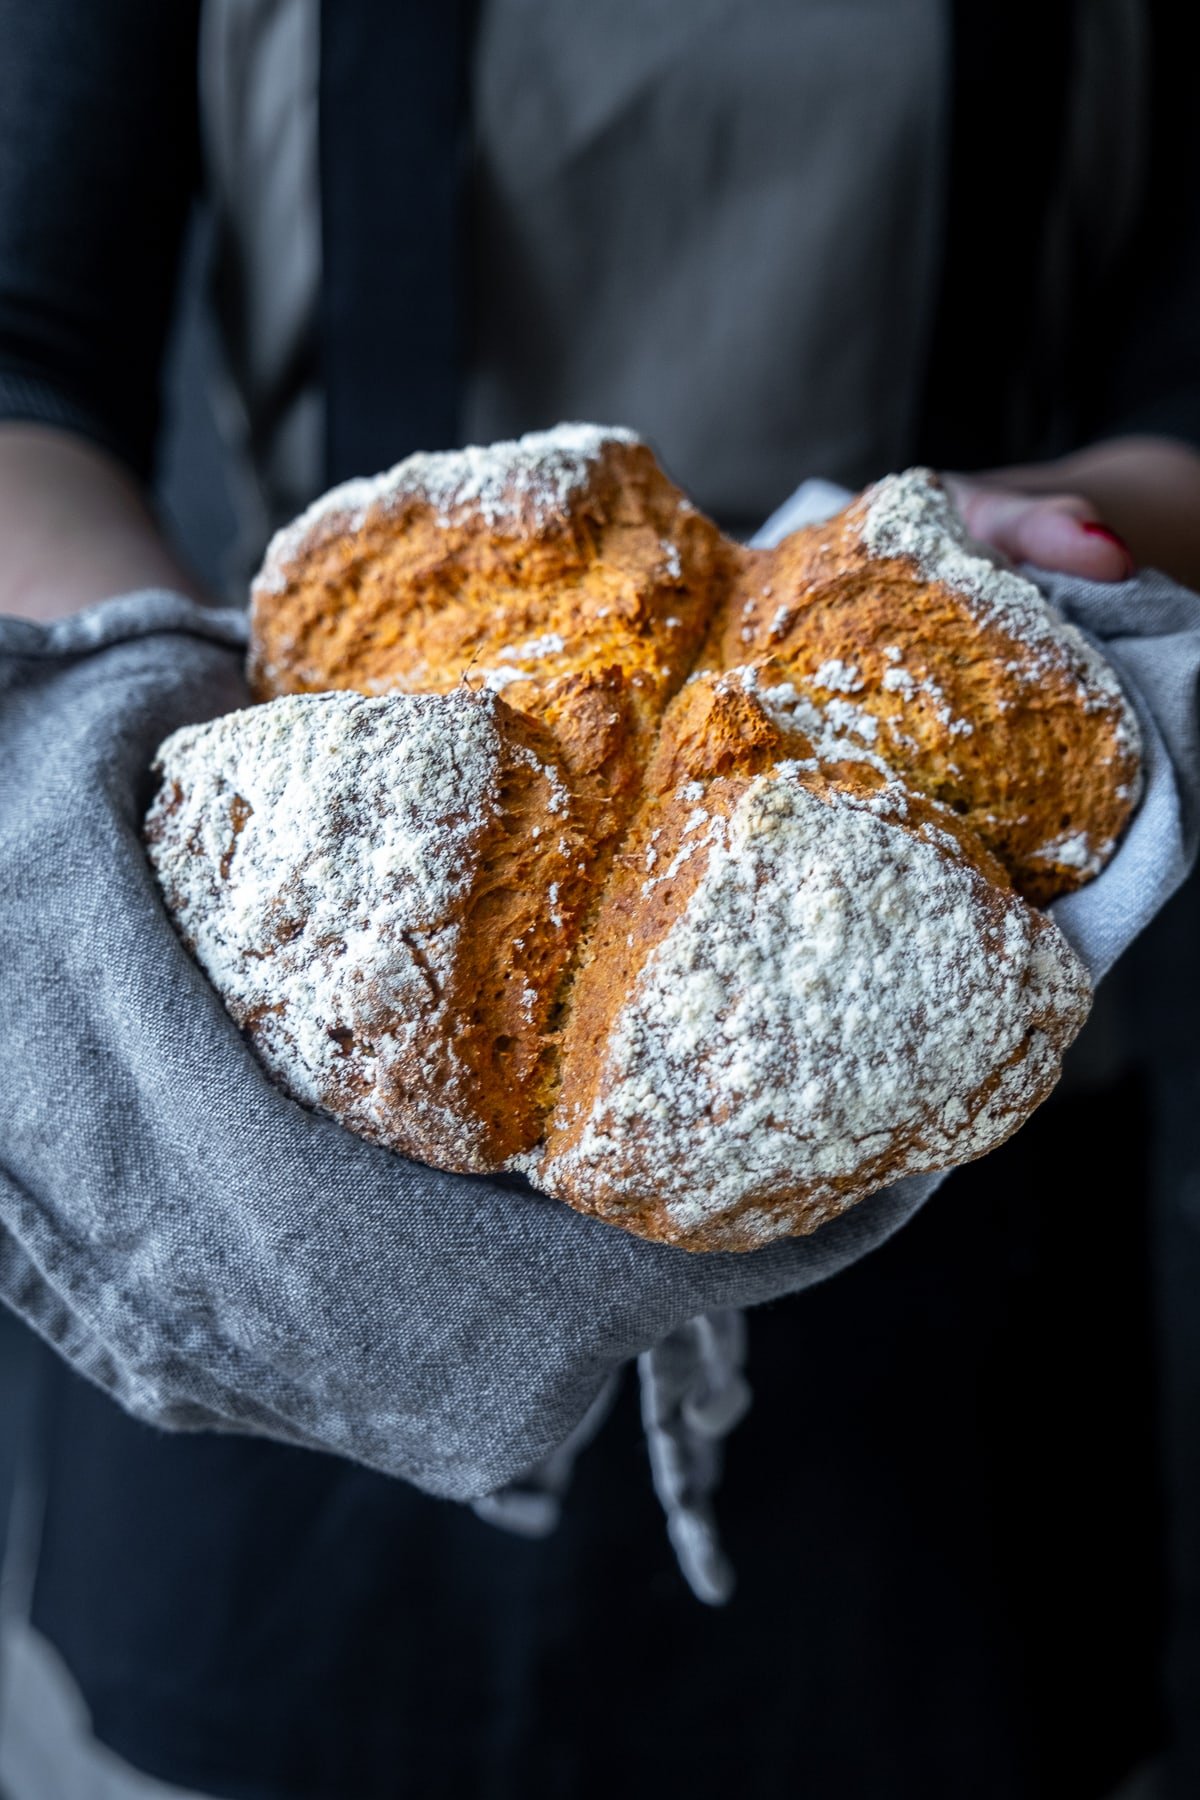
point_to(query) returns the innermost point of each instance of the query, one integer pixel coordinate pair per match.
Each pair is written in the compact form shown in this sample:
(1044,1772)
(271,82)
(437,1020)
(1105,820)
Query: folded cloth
(215,1256)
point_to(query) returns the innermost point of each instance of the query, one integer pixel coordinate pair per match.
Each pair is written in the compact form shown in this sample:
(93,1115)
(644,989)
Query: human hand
(1054,530)
(75,527)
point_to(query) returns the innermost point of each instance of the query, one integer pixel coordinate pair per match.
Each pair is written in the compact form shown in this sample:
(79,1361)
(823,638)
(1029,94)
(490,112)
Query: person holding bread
(775,241)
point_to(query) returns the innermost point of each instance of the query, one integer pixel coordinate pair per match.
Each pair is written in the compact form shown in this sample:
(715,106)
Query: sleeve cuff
(1175,414)
(32,400)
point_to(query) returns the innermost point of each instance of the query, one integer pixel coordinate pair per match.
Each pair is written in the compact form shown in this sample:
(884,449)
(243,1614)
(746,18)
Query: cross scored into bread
(699,883)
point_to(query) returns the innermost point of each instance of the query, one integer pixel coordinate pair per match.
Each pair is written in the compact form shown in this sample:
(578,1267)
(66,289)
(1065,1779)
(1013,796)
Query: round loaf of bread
(794,990)
(691,880)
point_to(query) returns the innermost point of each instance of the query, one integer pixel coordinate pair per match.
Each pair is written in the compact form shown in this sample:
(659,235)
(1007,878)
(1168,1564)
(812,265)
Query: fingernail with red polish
(1106,531)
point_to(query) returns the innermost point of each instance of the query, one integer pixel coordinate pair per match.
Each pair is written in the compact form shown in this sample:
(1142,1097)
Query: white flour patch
(316,863)
(911,516)
(530,479)
(837,992)
(839,731)
(496,680)
(533,649)
(899,680)
(1074,851)
(838,676)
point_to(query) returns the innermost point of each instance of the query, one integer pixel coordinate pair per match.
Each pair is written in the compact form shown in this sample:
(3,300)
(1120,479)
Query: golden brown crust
(366,881)
(1014,734)
(587,614)
(873,651)
(520,926)
(782,1122)
(715,738)
(718,726)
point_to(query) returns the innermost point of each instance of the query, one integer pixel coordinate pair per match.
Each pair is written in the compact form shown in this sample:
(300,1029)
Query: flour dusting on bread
(841,1000)
(526,480)
(911,515)
(320,856)
(691,878)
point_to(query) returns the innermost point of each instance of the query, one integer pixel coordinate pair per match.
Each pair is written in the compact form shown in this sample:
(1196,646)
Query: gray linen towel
(215,1256)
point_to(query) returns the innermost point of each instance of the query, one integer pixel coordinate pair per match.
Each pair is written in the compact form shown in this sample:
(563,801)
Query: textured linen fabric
(214,1255)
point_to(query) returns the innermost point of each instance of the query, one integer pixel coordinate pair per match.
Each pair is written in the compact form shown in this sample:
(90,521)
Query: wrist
(75,527)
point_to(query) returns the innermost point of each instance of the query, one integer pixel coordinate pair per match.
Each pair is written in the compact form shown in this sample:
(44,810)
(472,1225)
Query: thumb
(1055,531)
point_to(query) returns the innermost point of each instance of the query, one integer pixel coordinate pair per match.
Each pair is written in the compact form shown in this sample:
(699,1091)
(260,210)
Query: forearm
(74,527)
(1146,488)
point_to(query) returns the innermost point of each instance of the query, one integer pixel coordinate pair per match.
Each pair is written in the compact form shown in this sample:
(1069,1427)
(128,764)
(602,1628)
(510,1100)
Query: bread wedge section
(797,992)
(385,893)
(953,669)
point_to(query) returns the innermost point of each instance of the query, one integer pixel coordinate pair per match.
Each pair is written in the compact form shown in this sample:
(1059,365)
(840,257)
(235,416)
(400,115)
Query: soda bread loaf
(694,881)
